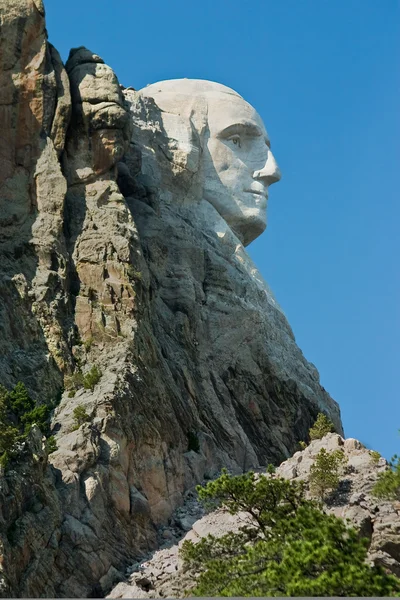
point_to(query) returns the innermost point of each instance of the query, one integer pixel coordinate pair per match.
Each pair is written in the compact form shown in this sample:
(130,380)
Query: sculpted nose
(270,173)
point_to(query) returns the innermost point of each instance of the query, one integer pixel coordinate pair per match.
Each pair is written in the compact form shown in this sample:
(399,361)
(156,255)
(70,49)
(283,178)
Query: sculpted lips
(258,191)
(262,196)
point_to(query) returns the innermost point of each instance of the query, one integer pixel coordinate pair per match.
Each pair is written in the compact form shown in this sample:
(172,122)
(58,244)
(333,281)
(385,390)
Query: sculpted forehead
(218,140)
(223,106)
(190,87)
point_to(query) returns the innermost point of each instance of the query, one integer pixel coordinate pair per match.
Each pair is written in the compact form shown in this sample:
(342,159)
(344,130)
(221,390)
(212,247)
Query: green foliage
(80,416)
(269,498)
(78,380)
(325,472)
(375,456)
(271,469)
(288,547)
(88,343)
(8,437)
(19,400)
(193,442)
(387,486)
(302,445)
(39,416)
(74,381)
(4,395)
(91,378)
(321,427)
(4,460)
(51,444)
(132,273)
(17,415)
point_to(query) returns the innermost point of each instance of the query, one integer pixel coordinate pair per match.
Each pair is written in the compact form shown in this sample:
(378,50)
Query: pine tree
(290,547)
(321,427)
(325,472)
(20,402)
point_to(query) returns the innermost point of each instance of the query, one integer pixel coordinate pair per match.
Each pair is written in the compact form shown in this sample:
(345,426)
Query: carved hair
(183,105)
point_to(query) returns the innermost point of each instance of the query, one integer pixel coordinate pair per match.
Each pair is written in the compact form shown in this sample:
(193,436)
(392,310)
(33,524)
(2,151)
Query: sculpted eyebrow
(246,127)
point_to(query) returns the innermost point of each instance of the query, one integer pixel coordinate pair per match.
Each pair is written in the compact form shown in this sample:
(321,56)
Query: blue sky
(324,75)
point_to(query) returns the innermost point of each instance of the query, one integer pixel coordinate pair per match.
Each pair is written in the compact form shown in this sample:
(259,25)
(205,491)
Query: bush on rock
(288,546)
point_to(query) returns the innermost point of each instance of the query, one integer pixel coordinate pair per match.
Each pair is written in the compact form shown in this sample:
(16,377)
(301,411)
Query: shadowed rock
(123,223)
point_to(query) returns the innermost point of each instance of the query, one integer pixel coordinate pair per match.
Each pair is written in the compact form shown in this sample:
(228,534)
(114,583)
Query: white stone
(225,140)
(218,154)
(351,444)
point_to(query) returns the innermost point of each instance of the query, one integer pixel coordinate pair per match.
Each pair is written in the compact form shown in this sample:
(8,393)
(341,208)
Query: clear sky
(325,77)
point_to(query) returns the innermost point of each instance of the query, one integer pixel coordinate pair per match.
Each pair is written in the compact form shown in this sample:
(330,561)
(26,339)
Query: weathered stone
(186,522)
(130,258)
(167,534)
(139,505)
(124,590)
(34,115)
(379,524)
(110,578)
(289,472)
(352,444)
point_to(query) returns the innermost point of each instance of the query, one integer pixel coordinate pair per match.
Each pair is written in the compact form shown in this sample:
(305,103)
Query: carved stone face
(236,165)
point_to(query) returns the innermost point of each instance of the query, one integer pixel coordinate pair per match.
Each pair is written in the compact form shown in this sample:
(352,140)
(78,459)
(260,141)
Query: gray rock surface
(35,109)
(162,575)
(103,264)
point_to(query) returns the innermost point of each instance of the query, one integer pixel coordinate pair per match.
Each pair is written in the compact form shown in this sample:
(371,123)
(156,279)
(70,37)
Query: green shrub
(20,402)
(193,442)
(39,416)
(8,437)
(302,445)
(375,456)
(75,381)
(4,460)
(51,444)
(80,416)
(288,546)
(132,273)
(79,380)
(321,427)
(325,472)
(91,378)
(4,400)
(17,415)
(387,486)
(88,343)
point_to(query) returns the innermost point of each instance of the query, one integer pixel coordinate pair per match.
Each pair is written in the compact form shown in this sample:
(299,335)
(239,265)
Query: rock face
(162,575)
(105,263)
(35,107)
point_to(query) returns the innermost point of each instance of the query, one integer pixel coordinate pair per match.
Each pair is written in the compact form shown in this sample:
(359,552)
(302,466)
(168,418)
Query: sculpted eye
(235,139)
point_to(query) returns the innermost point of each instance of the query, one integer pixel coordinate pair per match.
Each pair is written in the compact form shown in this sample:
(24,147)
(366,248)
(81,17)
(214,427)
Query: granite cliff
(110,260)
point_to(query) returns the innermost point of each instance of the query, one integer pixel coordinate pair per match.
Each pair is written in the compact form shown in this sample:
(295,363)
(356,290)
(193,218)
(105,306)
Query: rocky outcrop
(57,249)
(35,309)
(162,575)
(34,112)
(103,266)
